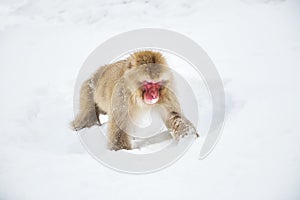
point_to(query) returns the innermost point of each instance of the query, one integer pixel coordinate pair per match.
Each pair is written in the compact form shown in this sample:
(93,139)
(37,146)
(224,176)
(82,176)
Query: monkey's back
(106,78)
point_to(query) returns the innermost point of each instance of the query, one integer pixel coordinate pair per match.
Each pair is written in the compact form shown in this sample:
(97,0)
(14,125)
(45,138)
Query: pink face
(151,92)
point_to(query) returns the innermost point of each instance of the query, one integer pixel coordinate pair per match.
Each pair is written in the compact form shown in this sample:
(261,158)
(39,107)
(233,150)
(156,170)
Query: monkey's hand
(183,128)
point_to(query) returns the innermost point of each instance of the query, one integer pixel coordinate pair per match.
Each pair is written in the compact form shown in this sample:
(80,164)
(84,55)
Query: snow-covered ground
(255,45)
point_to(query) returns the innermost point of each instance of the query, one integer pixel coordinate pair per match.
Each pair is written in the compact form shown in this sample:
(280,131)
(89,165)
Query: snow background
(255,45)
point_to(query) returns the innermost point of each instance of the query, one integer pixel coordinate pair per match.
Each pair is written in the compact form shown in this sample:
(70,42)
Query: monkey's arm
(173,117)
(118,118)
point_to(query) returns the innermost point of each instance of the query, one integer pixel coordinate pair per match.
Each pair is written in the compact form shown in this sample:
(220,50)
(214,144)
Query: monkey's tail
(87,115)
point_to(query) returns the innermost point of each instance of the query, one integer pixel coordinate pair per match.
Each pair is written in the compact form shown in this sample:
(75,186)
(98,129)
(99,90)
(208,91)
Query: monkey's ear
(129,65)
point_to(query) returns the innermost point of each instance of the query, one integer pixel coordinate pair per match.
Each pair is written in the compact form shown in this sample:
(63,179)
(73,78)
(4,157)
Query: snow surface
(255,45)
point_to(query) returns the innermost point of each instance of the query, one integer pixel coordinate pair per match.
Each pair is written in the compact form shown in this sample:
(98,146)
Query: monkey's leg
(87,115)
(117,137)
(174,119)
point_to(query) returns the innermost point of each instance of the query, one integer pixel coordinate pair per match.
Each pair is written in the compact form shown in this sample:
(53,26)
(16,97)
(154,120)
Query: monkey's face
(151,91)
(147,82)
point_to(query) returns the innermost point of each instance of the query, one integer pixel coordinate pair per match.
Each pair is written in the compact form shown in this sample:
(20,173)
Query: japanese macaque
(123,90)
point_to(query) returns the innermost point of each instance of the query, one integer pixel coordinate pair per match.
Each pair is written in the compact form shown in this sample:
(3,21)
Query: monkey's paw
(184,129)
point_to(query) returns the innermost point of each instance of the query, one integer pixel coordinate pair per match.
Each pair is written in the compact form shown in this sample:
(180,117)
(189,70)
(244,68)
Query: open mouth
(150,100)
(151,92)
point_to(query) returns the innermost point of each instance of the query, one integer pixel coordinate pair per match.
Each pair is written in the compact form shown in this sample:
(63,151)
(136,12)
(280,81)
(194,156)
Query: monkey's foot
(117,148)
(120,144)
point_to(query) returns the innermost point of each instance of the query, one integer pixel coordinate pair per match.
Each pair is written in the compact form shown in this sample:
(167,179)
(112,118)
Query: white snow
(255,45)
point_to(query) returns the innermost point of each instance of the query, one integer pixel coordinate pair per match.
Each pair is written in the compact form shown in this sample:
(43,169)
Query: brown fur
(115,90)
